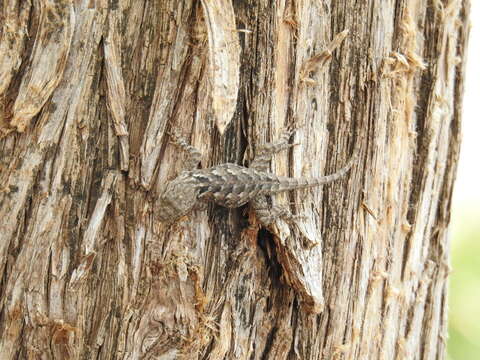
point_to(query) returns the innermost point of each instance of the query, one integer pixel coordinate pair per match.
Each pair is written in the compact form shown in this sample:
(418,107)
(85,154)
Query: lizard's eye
(202,179)
(202,189)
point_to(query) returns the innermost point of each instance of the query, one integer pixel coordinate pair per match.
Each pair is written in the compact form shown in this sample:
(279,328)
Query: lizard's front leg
(194,155)
(179,196)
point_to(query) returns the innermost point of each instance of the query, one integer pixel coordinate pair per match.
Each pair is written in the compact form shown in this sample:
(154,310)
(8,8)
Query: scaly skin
(233,185)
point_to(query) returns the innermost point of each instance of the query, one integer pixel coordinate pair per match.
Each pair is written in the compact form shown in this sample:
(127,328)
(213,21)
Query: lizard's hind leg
(266,214)
(264,153)
(194,155)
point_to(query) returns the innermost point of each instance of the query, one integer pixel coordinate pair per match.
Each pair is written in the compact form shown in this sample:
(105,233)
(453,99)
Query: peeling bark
(224,59)
(89,91)
(47,62)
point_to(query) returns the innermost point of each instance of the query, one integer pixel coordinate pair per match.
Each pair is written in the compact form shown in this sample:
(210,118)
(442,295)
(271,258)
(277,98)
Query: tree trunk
(89,91)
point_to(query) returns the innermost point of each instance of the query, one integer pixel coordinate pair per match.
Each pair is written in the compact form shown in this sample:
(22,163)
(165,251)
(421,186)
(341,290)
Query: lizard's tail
(286,184)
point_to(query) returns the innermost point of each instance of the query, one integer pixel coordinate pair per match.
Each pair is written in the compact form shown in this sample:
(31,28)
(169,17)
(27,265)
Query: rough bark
(88,92)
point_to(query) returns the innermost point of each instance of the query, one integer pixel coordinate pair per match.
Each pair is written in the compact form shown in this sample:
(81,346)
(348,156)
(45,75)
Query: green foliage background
(464,295)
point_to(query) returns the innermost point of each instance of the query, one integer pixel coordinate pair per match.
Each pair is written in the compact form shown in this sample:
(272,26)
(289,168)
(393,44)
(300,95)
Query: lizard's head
(177,199)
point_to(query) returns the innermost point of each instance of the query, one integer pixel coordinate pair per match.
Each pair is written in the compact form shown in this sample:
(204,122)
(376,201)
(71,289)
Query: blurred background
(464,302)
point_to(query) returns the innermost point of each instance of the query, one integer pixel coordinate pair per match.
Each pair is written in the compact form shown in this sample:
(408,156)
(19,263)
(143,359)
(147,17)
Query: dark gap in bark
(22,354)
(269,343)
(267,245)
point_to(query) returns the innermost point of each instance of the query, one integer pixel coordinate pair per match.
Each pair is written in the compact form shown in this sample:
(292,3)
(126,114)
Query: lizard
(231,185)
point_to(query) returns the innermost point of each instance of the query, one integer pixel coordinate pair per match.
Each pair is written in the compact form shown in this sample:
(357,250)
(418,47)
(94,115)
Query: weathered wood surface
(88,92)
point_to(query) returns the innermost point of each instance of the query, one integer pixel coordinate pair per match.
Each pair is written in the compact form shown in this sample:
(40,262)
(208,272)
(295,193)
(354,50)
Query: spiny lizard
(232,185)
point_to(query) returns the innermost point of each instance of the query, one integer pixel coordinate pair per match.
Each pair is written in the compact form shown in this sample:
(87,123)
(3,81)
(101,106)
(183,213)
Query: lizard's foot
(264,153)
(269,215)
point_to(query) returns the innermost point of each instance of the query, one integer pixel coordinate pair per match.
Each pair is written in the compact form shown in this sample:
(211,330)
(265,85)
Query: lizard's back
(232,185)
